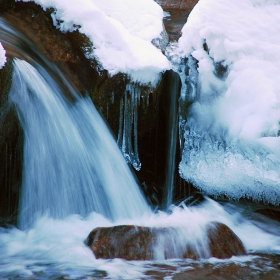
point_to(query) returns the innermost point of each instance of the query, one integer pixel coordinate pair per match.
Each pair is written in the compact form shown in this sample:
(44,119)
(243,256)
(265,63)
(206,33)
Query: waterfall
(72,164)
(172,126)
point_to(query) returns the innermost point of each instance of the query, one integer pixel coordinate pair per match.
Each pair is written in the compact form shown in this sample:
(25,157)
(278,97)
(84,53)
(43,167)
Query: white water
(72,164)
(56,246)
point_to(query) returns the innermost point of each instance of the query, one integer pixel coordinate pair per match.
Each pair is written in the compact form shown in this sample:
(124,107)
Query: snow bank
(2,56)
(235,117)
(121,32)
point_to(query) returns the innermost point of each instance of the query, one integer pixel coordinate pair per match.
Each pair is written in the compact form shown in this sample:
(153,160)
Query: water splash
(55,247)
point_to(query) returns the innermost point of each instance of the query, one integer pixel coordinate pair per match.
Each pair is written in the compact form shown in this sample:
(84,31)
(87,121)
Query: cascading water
(71,162)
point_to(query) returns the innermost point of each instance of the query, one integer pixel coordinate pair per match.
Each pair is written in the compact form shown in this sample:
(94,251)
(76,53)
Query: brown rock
(223,242)
(270,213)
(179,11)
(127,242)
(177,4)
(138,243)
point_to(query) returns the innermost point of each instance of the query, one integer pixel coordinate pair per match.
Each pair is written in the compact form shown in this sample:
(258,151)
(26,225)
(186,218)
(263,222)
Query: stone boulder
(138,243)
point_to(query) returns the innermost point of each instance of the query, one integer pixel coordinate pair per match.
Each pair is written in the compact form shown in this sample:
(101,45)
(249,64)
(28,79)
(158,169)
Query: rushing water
(71,162)
(75,179)
(55,248)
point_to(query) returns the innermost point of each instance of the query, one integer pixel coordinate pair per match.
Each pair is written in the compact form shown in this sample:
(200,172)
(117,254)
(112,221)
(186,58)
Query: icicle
(128,127)
(136,163)
(121,120)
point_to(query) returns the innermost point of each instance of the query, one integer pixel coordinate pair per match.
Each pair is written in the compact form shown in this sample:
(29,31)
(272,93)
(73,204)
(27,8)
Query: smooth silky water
(75,179)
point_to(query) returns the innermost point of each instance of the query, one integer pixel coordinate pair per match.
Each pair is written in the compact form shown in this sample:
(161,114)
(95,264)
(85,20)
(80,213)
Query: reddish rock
(178,12)
(223,242)
(177,4)
(126,242)
(137,243)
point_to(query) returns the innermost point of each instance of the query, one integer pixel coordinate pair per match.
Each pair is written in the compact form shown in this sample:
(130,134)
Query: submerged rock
(139,243)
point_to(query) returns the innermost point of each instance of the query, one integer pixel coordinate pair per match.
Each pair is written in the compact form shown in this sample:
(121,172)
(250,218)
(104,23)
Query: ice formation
(2,56)
(128,128)
(231,132)
(121,32)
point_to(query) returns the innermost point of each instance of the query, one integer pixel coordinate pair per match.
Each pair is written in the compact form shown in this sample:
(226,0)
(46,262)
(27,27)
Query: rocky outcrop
(138,243)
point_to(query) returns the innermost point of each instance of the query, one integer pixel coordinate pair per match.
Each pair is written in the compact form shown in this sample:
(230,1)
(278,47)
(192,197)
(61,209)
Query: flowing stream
(75,179)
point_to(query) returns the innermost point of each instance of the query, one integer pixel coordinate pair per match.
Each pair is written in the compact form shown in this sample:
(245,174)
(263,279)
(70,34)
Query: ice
(232,128)
(121,32)
(128,125)
(2,56)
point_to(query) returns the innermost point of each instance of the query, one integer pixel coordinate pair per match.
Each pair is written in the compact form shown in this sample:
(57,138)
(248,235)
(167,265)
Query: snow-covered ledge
(121,32)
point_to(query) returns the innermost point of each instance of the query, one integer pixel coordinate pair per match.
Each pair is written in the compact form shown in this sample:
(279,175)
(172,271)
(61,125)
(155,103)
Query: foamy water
(57,246)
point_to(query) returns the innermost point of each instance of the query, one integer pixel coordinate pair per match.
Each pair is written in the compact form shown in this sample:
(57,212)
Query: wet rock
(137,243)
(126,242)
(223,242)
(270,213)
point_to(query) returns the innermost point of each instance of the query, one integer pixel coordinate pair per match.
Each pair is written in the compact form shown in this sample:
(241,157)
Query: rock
(270,213)
(178,12)
(126,242)
(139,243)
(223,242)
(177,4)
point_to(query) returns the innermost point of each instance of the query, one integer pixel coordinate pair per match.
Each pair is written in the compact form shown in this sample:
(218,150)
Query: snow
(240,109)
(2,56)
(121,32)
